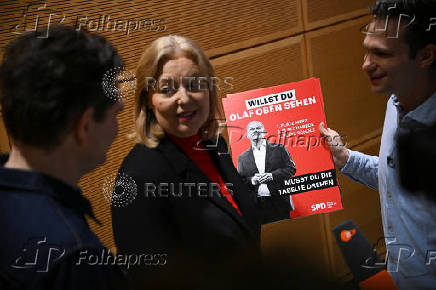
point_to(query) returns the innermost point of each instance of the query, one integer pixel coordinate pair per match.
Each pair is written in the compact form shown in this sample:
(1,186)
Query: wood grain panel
(4,139)
(362,205)
(335,55)
(318,13)
(231,25)
(264,66)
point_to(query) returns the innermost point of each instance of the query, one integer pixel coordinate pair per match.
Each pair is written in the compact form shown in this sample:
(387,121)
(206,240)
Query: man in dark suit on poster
(264,166)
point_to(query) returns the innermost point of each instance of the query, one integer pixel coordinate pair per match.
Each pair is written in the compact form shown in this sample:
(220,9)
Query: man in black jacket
(264,166)
(62,123)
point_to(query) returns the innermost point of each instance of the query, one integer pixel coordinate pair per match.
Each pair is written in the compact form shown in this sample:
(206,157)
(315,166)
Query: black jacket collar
(26,181)
(187,169)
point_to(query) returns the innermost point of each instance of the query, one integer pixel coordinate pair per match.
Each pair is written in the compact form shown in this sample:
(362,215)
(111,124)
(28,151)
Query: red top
(203,160)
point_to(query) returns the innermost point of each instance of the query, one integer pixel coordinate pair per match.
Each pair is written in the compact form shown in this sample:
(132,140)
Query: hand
(255,179)
(337,147)
(266,177)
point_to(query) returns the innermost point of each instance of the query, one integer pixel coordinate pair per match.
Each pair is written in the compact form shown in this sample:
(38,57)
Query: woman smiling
(192,205)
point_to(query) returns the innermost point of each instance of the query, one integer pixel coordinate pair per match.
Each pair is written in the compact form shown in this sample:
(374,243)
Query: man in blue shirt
(400,58)
(61,123)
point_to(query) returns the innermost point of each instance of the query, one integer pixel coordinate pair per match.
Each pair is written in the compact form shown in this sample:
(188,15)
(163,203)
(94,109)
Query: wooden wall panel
(318,13)
(335,54)
(219,29)
(4,139)
(267,65)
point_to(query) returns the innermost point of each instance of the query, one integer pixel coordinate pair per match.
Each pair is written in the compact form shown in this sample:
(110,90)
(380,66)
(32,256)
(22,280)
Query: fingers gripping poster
(278,150)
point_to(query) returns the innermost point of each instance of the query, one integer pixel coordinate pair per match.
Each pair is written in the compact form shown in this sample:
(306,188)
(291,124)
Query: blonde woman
(192,207)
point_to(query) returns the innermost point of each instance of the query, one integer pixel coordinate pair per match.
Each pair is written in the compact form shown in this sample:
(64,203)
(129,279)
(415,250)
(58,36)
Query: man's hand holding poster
(279,151)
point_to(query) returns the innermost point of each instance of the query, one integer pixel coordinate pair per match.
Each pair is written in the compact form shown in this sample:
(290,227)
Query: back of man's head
(46,83)
(419,16)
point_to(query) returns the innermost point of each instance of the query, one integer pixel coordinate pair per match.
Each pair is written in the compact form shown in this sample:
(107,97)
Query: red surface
(381,280)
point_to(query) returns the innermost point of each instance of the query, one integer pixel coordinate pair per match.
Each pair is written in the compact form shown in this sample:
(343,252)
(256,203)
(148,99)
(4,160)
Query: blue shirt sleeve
(362,168)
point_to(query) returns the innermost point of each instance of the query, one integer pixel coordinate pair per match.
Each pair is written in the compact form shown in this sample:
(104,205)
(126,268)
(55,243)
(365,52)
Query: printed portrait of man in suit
(265,166)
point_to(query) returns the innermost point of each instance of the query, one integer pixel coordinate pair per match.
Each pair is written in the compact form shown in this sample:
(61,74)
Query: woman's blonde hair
(148,130)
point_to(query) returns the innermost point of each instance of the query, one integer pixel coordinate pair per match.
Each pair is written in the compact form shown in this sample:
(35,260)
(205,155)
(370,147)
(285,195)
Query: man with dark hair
(400,60)
(61,124)
(264,166)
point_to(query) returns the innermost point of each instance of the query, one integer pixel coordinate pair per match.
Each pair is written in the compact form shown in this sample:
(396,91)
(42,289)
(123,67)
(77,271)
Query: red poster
(278,149)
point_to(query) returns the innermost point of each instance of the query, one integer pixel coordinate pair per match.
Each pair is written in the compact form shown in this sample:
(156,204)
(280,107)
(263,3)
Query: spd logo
(318,206)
